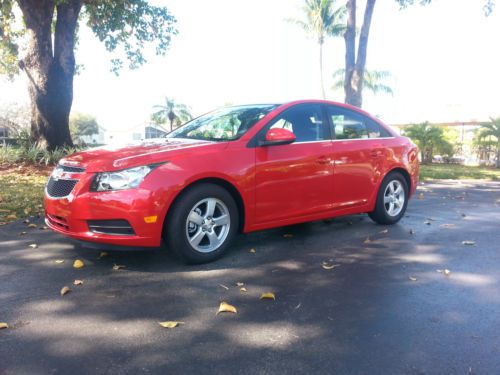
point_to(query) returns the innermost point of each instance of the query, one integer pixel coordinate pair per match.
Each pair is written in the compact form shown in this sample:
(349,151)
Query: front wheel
(202,223)
(392,199)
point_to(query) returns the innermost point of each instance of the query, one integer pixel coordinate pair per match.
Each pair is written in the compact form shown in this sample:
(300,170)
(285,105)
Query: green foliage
(488,5)
(171,112)
(82,124)
(430,140)
(487,140)
(124,26)
(373,80)
(33,155)
(322,19)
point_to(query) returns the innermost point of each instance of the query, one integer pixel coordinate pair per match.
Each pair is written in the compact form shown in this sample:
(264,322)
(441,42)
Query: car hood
(110,158)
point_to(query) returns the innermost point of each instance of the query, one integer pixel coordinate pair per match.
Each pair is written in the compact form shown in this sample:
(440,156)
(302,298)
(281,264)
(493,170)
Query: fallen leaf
(412,231)
(32,226)
(448,226)
(65,290)
(243,289)
(329,266)
(421,196)
(78,264)
(384,231)
(43,228)
(253,251)
(59,261)
(33,245)
(117,267)
(78,282)
(170,324)
(226,307)
(268,295)
(103,254)
(26,221)
(223,286)
(464,215)
(427,222)
(240,284)
(11,217)
(447,272)
(4,325)
(469,243)
(367,240)
(3,223)
(22,233)
(412,278)
(287,235)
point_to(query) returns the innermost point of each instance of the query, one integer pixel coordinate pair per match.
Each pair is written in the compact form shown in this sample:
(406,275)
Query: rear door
(296,179)
(359,154)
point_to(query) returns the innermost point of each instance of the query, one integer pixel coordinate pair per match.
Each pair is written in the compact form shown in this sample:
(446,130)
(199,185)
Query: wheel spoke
(210,207)
(398,190)
(391,187)
(391,208)
(221,220)
(196,239)
(387,199)
(195,217)
(212,237)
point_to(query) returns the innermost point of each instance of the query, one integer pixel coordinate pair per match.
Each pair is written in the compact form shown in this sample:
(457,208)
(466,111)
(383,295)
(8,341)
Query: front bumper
(70,215)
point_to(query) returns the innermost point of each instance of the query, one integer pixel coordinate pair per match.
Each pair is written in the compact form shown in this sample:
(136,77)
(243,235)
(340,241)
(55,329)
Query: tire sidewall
(175,229)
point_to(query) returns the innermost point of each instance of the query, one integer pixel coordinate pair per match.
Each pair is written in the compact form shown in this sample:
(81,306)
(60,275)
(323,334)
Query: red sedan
(237,169)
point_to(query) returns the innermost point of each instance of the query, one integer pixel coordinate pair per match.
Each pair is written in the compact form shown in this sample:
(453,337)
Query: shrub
(32,154)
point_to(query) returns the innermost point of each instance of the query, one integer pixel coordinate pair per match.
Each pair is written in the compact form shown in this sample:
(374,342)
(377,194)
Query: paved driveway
(364,317)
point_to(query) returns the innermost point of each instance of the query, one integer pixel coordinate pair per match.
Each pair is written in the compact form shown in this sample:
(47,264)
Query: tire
(390,207)
(201,224)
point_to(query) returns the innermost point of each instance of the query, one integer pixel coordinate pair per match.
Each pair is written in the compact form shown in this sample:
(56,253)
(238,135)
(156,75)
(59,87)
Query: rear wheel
(392,199)
(202,223)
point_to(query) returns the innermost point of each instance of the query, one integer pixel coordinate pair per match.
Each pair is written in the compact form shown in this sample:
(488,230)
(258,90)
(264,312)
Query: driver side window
(305,121)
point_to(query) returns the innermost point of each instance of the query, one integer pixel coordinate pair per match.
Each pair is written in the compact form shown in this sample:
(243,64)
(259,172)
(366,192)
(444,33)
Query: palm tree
(322,20)
(491,131)
(174,113)
(373,81)
(428,138)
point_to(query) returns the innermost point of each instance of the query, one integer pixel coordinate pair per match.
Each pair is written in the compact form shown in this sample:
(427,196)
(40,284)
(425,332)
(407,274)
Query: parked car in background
(237,169)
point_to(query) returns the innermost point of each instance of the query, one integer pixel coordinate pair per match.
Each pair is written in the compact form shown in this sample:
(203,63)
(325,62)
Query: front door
(296,179)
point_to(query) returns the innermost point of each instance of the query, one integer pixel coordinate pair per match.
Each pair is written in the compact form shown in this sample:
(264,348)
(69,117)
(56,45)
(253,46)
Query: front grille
(70,169)
(57,188)
(113,227)
(58,221)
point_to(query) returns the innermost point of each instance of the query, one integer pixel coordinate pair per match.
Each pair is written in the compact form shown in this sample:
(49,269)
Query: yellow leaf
(329,266)
(78,264)
(65,290)
(226,307)
(367,240)
(59,261)
(243,289)
(11,217)
(32,225)
(78,282)
(268,295)
(4,325)
(412,278)
(287,235)
(117,267)
(103,254)
(252,250)
(33,245)
(170,324)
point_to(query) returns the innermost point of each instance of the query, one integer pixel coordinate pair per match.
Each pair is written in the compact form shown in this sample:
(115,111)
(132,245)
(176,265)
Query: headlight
(120,180)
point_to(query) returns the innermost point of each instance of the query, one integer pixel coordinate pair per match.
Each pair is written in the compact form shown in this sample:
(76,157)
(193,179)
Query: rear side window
(351,125)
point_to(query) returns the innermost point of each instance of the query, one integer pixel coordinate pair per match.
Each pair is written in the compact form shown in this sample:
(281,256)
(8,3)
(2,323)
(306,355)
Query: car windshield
(224,124)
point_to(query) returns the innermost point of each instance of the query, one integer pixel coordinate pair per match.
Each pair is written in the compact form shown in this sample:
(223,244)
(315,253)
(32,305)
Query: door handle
(324,160)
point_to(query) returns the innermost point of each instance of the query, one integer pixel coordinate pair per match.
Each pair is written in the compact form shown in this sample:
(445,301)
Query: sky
(444,59)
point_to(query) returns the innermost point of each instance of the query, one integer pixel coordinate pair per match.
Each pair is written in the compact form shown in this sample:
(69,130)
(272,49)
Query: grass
(21,195)
(458,172)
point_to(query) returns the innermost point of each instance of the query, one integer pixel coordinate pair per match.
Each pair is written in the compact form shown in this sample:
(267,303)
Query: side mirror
(278,136)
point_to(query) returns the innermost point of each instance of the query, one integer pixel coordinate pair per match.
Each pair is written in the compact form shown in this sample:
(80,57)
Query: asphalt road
(364,317)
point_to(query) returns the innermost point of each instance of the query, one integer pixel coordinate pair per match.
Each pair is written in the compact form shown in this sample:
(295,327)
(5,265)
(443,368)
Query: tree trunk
(50,70)
(321,68)
(355,65)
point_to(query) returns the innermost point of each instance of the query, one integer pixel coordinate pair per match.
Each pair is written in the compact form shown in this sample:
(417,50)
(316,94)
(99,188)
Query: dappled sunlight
(472,279)
(421,258)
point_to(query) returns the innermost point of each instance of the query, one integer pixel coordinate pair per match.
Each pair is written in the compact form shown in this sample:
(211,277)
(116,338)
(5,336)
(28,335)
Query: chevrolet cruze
(237,169)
